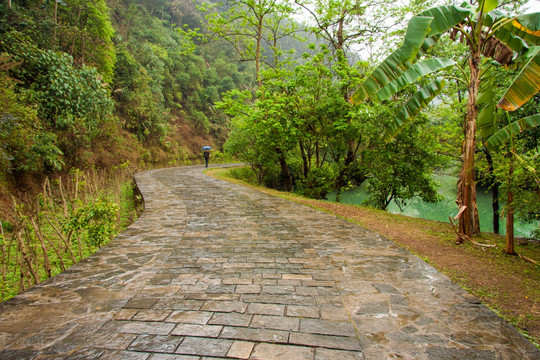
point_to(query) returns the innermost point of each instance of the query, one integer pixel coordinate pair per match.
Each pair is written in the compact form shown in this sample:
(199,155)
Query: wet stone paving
(214,270)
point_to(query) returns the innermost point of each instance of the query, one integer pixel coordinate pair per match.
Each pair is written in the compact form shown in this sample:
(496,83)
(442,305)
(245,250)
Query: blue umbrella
(206,147)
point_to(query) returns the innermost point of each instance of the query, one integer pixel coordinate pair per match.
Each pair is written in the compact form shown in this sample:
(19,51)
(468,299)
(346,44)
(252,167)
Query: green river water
(446,207)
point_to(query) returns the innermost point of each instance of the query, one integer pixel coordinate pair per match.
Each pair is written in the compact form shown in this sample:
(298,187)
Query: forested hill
(93,84)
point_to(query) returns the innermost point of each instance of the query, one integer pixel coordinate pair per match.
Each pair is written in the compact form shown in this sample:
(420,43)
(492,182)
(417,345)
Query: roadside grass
(69,220)
(508,284)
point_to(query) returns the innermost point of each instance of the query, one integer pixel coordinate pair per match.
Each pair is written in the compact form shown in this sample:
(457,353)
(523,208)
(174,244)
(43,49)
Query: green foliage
(319,182)
(401,169)
(67,95)
(95,221)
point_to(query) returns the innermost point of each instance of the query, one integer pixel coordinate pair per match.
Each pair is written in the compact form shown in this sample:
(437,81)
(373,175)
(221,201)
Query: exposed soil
(508,284)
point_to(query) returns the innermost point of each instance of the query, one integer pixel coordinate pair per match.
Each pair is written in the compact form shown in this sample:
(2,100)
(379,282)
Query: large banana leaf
(486,121)
(488,5)
(445,17)
(413,107)
(394,65)
(415,72)
(525,85)
(526,27)
(500,137)
(506,34)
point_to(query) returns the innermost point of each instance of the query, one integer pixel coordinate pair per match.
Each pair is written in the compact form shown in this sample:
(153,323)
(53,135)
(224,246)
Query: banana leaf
(415,72)
(526,27)
(488,6)
(413,107)
(525,85)
(395,64)
(445,17)
(486,120)
(502,136)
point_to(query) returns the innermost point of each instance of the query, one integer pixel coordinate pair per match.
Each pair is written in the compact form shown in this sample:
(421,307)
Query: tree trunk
(258,51)
(510,212)
(55,23)
(494,192)
(304,159)
(469,223)
(285,173)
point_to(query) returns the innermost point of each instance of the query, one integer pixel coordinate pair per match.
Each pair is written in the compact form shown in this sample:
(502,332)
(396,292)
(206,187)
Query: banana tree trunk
(469,223)
(510,211)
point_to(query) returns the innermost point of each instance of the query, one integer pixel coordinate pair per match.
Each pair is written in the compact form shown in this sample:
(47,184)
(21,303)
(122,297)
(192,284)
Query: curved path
(215,270)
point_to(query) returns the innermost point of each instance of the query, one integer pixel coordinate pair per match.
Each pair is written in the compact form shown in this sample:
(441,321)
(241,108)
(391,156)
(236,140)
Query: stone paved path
(214,270)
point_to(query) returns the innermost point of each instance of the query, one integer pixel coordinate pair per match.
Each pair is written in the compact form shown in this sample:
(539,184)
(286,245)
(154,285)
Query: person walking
(206,155)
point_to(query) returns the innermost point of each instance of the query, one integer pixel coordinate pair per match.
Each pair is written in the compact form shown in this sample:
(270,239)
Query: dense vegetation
(104,85)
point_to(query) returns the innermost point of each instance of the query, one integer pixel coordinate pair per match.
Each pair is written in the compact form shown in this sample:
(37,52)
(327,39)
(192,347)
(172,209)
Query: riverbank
(507,284)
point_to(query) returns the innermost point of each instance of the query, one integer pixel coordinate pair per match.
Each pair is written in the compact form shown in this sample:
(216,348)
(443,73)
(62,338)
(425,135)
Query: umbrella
(206,147)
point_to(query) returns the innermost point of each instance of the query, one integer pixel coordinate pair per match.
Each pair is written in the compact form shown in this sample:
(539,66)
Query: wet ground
(213,270)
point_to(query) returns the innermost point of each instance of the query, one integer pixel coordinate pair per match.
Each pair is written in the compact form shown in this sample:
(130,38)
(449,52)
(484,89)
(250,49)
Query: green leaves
(412,74)
(414,106)
(395,64)
(445,17)
(502,136)
(525,85)
(487,5)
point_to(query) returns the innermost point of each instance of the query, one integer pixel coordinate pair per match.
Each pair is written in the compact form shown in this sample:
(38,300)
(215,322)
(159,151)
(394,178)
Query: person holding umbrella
(206,154)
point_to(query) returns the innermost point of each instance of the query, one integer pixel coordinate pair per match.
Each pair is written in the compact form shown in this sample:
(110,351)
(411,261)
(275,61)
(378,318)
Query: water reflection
(446,207)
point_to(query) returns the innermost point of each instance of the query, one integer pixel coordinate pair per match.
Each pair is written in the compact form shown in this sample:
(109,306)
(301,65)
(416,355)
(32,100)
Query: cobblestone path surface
(213,270)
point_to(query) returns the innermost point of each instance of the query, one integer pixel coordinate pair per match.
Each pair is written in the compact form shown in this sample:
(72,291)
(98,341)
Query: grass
(508,284)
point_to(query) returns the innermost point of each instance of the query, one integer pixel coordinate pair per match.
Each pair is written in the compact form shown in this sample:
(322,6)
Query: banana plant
(488,33)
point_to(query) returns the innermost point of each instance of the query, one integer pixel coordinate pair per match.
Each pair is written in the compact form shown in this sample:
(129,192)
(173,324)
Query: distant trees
(295,133)
(250,26)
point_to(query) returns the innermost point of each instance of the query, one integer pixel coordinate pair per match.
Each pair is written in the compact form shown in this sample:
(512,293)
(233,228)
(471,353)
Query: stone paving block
(251,334)
(151,315)
(297,277)
(317,283)
(237,281)
(116,341)
(190,317)
(283,352)
(173,357)
(125,314)
(221,289)
(232,319)
(125,355)
(211,331)
(266,309)
(334,313)
(140,303)
(326,341)
(330,354)
(225,306)
(303,311)
(307,291)
(248,289)
(326,327)
(279,299)
(204,346)
(289,283)
(156,343)
(275,322)
(143,327)
(220,297)
(268,289)
(172,303)
(268,275)
(241,349)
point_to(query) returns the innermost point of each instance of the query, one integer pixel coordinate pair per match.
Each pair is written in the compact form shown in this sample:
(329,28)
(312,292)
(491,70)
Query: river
(444,208)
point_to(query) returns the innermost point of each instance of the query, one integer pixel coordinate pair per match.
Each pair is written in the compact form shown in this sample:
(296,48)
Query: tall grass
(71,218)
